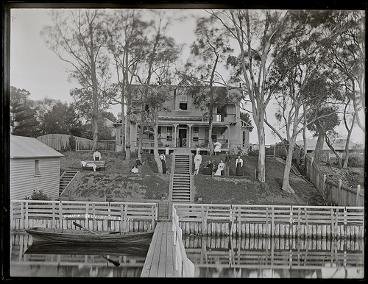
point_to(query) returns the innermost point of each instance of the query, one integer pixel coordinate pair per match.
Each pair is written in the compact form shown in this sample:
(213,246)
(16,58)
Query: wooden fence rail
(334,194)
(271,220)
(99,216)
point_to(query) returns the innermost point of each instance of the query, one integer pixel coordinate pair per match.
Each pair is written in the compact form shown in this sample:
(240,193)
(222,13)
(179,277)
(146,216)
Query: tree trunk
(329,144)
(304,134)
(289,158)
(210,110)
(262,150)
(155,148)
(347,152)
(319,147)
(127,134)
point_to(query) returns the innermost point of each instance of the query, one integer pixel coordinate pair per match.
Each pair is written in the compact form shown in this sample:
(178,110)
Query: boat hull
(80,236)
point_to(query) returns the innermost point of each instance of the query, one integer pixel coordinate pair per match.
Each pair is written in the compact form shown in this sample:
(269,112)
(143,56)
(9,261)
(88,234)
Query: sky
(37,69)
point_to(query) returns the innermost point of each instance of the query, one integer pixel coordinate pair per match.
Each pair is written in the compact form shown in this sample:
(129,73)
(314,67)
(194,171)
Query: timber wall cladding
(271,220)
(23,180)
(97,216)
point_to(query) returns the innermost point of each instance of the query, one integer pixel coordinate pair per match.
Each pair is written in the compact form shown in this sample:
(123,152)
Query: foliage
(72,143)
(246,118)
(61,119)
(23,115)
(356,162)
(39,195)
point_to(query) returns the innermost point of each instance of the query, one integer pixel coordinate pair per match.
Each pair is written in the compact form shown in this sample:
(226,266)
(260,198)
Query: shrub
(72,143)
(39,195)
(356,162)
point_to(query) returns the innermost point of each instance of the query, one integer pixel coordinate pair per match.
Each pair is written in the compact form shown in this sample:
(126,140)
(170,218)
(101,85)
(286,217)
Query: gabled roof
(27,147)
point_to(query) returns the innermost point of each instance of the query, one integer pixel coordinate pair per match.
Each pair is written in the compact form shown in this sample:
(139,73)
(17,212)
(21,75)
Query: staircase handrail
(191,177)
(70,182)
(172,176)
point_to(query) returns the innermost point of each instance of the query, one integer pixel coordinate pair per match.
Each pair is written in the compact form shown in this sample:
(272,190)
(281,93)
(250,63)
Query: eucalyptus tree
(210,50)
(77,37)
(126,38)
(346,52)
(301,83)
(155,67)
(256,32)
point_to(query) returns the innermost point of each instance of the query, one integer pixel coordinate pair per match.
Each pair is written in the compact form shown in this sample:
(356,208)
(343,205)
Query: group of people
(138,164)
(96,157)
(223,168)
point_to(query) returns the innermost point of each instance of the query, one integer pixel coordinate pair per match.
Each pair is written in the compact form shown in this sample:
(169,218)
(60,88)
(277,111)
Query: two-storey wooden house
(183,123)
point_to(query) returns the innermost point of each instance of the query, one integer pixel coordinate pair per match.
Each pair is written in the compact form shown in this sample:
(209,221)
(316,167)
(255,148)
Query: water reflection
(275,258)
(51,260)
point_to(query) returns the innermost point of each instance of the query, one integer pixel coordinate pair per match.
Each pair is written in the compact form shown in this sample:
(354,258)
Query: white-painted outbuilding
(34,166)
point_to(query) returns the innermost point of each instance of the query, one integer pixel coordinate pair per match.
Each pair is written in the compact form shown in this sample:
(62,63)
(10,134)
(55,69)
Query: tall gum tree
(77,38)
(209,50)
(300,80)
(125,37)
(256,33)
(155,68)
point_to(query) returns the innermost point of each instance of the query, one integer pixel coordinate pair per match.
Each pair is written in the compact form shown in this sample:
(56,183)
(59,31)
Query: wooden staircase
(181,178)
(65,179)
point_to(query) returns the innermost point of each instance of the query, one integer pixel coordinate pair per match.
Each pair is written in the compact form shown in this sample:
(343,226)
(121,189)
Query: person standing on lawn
(239,166)
(197,162)
(163,162)
(227,164)
(220,168)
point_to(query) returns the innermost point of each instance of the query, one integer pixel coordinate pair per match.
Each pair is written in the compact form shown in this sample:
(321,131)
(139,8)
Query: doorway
(182,136)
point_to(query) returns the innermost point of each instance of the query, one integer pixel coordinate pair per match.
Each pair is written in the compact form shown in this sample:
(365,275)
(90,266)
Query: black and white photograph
(195,143)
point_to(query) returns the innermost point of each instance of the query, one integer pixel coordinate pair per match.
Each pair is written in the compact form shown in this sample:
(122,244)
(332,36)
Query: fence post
(12,222)
(339,192)
(357,195)
(26,215)
(324,186)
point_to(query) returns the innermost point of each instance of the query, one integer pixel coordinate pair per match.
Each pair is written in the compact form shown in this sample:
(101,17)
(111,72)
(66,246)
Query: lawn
(116,182)
(246,190)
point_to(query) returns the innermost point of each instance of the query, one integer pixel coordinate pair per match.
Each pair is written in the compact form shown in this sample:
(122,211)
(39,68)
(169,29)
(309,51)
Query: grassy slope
(245,190)
(116,180)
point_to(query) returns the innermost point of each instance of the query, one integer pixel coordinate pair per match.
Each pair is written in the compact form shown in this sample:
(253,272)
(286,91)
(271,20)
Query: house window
(183,106)
(195,139)
(37,168)
(159,130)
(195,129)
(243,138)
(169,133)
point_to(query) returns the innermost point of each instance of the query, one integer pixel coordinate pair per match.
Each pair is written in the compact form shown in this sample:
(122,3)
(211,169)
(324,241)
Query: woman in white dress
(197,162)
(220,168)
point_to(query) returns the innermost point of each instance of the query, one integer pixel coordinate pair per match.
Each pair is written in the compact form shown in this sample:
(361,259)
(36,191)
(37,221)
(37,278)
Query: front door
(182,137)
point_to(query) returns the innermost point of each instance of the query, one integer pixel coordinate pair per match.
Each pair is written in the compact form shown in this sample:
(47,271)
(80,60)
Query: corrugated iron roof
(28,147)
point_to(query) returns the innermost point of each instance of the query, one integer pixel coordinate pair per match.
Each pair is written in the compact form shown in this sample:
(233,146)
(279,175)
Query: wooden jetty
(271,220)
(166,256)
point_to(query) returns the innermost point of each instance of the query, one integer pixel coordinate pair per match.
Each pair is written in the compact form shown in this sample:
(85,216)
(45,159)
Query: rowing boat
(83,236)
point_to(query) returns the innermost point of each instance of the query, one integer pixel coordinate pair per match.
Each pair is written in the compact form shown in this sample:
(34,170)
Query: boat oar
(112,261)
(80,226)
(105,257)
